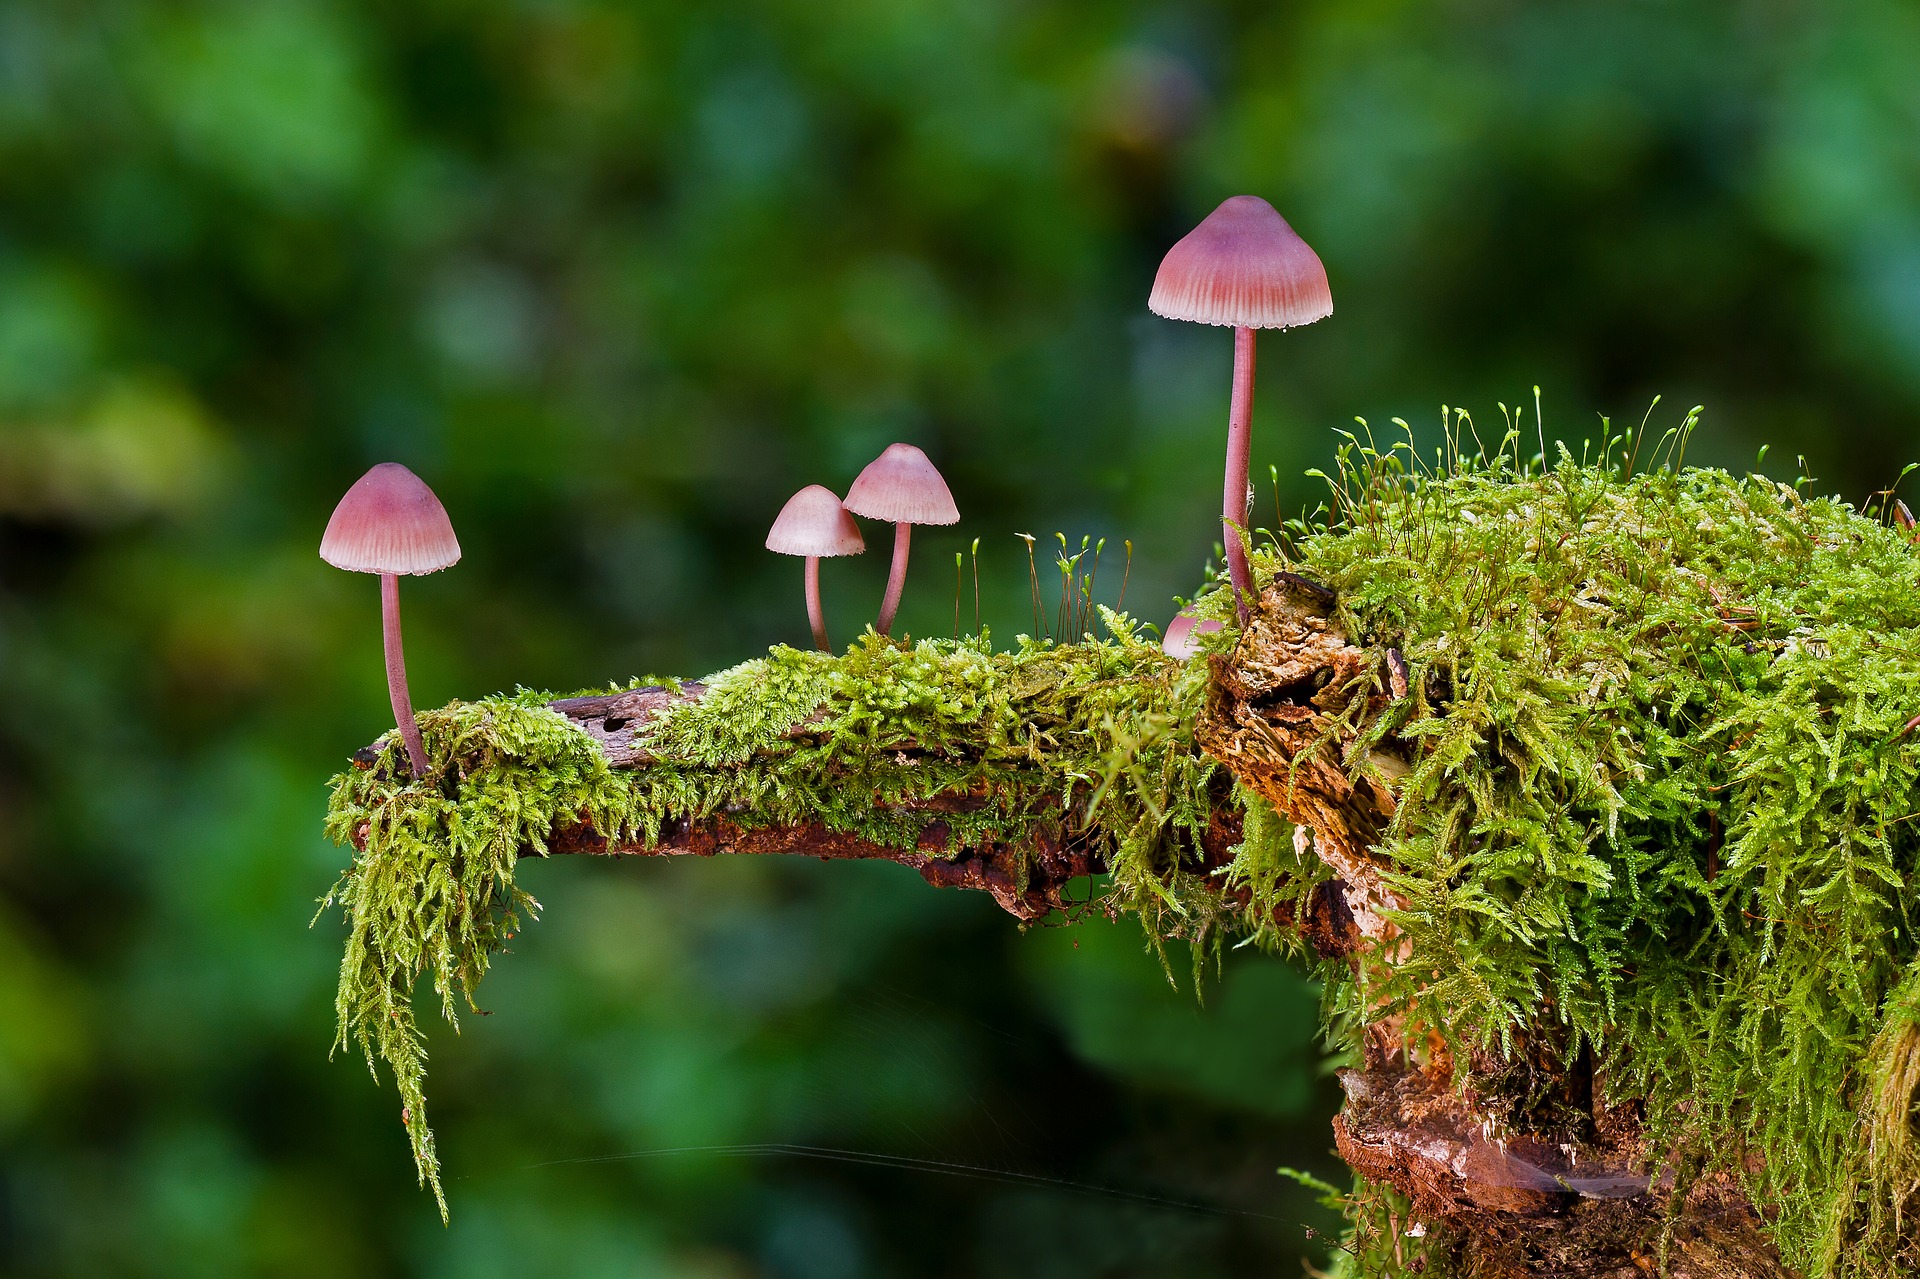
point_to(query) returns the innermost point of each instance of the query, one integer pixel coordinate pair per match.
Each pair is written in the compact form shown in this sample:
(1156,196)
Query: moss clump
(432,887)
(1096,733)
(1661,807)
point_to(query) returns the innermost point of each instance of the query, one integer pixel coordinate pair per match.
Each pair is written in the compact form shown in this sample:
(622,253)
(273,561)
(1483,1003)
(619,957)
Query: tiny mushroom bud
(813,523)
(901,487)
(1181,638)
(1244,267)
(390,523)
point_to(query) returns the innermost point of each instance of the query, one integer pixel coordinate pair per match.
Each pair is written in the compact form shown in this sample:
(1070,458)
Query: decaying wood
(1052,865)
(614,720)
(1274,721)
(1540,1204)
(1523,1180)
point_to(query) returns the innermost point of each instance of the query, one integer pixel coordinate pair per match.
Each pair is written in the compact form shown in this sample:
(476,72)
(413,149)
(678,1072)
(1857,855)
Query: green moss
(432,889)
(1100,728)
(1660,806)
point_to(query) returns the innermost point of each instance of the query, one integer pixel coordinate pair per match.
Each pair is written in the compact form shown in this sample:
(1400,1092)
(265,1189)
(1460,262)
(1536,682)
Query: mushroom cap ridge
(901,486)
(390,522)
(813,522)
(1242,266)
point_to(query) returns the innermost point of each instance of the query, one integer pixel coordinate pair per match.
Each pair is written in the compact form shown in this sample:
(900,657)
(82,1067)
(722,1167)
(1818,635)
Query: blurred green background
(617,278)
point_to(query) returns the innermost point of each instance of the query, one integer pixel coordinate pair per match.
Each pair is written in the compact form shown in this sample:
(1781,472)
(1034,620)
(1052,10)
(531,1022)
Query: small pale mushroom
(390,523)
(1246,268)
(901,487)
(1181,639)
(813,523)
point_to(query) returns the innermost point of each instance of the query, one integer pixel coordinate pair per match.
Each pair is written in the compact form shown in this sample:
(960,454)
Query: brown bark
(1274,721)
(1535,1204)
(1051,866)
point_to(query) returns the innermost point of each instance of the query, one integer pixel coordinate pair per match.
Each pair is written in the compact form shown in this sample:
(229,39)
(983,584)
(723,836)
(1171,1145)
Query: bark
(1539,1204)
(1513,1166)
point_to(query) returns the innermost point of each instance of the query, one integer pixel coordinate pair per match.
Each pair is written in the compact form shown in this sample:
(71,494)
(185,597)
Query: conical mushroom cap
(1243,266)
(390,522)
(814,523)
(902,487)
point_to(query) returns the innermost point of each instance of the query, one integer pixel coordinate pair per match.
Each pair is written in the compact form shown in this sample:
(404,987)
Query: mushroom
(1244,267)
(814,524)
(902,487)
(1181,638)
(390,523)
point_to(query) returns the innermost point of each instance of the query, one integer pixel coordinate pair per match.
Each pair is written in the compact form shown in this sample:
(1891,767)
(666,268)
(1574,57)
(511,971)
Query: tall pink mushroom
(813,523)
(390,523)
(1243,267)
(901,487)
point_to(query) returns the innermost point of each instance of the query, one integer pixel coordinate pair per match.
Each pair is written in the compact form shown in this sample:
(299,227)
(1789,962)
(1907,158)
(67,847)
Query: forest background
(616,279)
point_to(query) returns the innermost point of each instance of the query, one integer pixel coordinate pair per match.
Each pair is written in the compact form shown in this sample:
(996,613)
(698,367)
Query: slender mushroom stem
(397,674)
(896,579)
(1233,503)
(815,613)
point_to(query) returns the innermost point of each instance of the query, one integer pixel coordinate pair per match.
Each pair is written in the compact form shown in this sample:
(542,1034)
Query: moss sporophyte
(1655,807)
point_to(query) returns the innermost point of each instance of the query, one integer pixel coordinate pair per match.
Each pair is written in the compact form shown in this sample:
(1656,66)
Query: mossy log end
(1491,1157)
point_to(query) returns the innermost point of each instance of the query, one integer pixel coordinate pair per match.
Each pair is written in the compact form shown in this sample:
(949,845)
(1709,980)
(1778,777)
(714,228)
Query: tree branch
(1283,708)
(1051,865)
(1551,1196)
(1029,882)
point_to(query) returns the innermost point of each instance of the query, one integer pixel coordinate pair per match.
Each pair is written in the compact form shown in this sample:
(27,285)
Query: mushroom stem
(397,674)
(1233,503)
(896,579)
(815,613)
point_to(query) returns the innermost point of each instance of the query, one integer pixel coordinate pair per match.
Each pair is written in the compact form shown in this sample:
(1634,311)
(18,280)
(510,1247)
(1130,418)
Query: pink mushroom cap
(814,523)
(901,486)
(1181,635)
(1243,266)
(390,522)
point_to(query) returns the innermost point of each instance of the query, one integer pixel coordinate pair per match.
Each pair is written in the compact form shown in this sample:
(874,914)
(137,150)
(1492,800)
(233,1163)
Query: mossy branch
(1589,791)
(1013,772)
(1029,869)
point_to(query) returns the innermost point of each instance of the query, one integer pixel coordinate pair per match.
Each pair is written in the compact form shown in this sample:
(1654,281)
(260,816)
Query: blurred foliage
(616,279)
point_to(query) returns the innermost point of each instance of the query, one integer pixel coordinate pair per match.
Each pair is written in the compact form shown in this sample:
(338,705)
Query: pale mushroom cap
(1180,639)
(390,522)
(902,487)
(814,523)
(1243,266)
